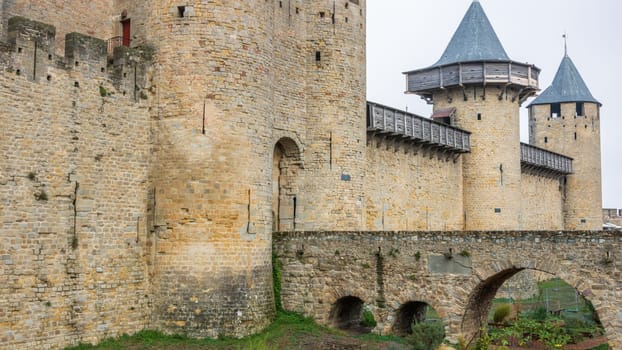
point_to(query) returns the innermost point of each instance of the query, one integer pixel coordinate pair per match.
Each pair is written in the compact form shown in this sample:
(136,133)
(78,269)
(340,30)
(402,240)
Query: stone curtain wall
(407,188)
(541,202)
(74,164)
(321,267)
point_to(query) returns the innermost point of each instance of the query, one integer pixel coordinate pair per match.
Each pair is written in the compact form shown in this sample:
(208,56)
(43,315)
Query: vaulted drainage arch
(408,314)
(347,313)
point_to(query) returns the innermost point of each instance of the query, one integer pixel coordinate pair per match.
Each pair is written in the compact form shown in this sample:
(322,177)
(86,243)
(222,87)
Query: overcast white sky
(404,35)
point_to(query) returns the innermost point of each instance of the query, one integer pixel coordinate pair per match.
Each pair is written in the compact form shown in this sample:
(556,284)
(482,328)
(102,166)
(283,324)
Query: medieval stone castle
(149,150)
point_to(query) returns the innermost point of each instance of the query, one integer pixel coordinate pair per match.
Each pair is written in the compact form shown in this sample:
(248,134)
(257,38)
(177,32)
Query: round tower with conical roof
(477,78)
(565,119)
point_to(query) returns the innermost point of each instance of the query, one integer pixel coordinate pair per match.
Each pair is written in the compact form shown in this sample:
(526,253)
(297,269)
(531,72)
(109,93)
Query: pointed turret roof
(568,86)
(474,40)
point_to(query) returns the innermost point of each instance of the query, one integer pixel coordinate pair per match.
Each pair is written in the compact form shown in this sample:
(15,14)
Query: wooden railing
(540,159)
(387,120)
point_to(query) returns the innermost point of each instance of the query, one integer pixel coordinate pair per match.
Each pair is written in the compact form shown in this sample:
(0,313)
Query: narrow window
(281,4)
(479,116)
(19,50)
(546,139)
(322,14)
(556,110)
(580,109)
(181,11)
(318,56)
(575,135)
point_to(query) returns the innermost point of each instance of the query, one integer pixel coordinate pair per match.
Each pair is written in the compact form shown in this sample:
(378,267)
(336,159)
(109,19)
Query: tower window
(575,135)
(546,139)
(318,56)
(479,116)
(580,108)
(322,14)
(556,110)
(181,11)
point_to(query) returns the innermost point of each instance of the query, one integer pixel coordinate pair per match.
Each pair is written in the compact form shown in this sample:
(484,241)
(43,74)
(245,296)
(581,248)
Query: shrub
(501,313)
(427,335)
(539,314)
(368,319)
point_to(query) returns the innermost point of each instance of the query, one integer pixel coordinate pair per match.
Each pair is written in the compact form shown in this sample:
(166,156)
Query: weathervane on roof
(565,36)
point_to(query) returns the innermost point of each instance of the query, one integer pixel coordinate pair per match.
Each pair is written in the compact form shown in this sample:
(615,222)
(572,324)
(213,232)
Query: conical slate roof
(568,86)
(474,40)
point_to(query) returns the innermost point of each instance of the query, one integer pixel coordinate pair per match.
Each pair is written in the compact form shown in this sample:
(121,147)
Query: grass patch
(288,331)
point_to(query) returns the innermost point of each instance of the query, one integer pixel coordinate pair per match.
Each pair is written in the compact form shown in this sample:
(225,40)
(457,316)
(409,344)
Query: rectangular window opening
(318,56)
(181,11)
(479,116)
(322,14)
(556,110)
(546,139)
(580,109)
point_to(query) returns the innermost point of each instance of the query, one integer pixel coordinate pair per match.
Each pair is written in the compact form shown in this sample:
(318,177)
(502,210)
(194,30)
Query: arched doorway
(286,164)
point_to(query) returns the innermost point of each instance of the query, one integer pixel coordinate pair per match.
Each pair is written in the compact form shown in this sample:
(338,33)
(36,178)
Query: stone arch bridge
(457,273)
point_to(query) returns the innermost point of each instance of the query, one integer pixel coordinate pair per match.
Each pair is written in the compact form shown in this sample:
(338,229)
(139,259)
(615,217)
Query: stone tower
(484,88)
(259,112)
(565,118)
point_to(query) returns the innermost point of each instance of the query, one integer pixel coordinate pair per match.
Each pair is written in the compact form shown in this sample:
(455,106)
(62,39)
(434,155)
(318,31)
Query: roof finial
(565,44)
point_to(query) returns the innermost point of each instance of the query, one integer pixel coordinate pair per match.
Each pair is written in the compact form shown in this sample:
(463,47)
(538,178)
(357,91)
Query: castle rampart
(151,149)
(74,165)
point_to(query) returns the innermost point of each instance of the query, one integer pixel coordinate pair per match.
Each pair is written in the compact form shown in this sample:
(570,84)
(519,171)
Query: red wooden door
(126,32)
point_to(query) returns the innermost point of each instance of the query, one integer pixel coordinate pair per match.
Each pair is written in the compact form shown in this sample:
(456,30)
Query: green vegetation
(427,335)
(556,317)
(502,312)
(418,256)
(102,91)
(368,319)
(465,254)
(276,281)
(288,331)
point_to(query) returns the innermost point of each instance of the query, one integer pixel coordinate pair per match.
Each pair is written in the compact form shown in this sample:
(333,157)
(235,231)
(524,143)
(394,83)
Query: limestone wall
(409,188)
(492,170)
(541,202)
(74,164)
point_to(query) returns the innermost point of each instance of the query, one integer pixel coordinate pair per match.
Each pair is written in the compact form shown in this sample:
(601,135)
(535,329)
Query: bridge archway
(480,301)
(286,164)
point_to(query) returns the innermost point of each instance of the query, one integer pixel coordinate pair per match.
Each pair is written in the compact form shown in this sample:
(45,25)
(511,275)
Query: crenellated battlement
(30,52)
